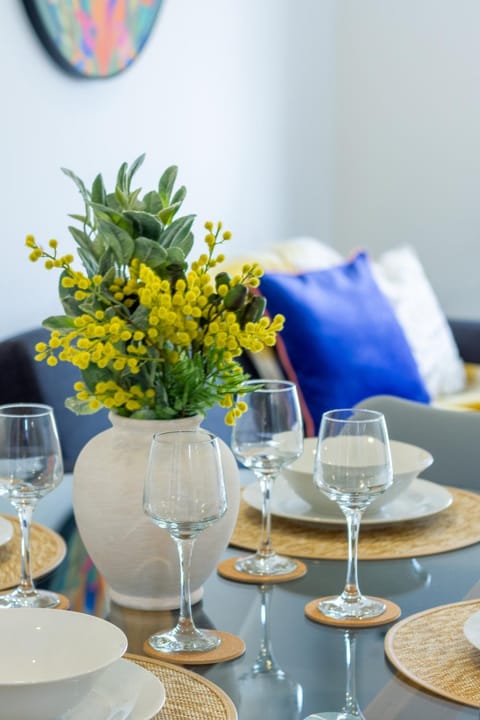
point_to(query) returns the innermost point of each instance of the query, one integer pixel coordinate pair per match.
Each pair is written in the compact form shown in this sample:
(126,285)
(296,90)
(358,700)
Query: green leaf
(185,244)
(180,195)
(140,317)
(166,183)
(98,194)
(105,212)
(58,322)
(118,240)
(89,261)
(79,407)
(81,238)
(166,215)
(152,203)
(106,268)
(133,169)
(79,183)
(175,256)
(120,184)
(144,224)
(149,252)
(177,231)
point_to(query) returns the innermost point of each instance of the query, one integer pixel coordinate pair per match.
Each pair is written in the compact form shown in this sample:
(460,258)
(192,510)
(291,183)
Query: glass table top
(294,667)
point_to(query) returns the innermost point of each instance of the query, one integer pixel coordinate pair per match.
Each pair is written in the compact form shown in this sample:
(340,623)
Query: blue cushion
(342,342)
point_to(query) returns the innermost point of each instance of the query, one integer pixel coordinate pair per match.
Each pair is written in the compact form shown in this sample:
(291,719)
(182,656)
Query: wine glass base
(270,565)
(341,609)
(37,599)
(173,642)
(333,716)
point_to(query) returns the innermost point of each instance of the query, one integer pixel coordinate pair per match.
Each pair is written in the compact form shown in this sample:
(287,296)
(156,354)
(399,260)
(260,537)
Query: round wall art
(93,38)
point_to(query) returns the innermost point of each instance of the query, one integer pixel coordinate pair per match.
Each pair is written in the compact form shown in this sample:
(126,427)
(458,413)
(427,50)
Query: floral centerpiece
(154,335)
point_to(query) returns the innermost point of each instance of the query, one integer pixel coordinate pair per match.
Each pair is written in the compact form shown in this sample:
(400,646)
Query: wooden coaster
(230,648)
(227,570)
(431,650)
(391,613)
(455,527)
(188,694)
(64,603)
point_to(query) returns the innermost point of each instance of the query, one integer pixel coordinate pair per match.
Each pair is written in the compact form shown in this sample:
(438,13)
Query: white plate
(471,629)
(6,531)
(125,691)
(423,498)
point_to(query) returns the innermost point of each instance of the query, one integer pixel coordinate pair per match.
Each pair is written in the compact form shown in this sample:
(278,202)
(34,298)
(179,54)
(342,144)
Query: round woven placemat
(430,649)
(47,552)
(188,696)
(453,528)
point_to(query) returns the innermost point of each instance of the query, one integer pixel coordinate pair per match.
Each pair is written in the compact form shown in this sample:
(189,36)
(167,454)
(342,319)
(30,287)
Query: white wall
(407,148)
(355,121)
(207,93)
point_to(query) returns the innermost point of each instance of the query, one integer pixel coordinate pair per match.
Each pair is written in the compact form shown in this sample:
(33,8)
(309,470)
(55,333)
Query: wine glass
(352,466)
(351,709)
(184,494)
(265,438)
(30,467)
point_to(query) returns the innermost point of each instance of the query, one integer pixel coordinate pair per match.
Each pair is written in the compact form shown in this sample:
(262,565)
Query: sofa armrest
(467,336)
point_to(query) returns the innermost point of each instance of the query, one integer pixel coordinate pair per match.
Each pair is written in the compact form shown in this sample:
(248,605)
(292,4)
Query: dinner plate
(421,499)
(471,630)
(125,691)
(6,531)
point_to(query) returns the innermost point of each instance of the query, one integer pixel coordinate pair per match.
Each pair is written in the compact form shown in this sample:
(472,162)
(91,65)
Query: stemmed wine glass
(30,467)
(268,436)
(184,494)
(352,466)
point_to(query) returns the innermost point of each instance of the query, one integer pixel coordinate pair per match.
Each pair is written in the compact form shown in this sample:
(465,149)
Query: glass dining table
(294,667)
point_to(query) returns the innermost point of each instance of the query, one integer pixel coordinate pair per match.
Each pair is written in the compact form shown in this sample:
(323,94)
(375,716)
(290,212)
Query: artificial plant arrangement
(155,336)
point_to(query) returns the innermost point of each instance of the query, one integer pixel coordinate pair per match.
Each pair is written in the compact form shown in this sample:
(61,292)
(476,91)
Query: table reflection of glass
(351,709)
(265,690)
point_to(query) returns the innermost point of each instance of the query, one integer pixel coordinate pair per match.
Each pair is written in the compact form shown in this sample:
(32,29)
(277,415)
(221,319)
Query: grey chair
(451,436)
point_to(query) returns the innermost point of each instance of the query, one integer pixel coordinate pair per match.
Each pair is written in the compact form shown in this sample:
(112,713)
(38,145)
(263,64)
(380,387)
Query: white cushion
(402,278)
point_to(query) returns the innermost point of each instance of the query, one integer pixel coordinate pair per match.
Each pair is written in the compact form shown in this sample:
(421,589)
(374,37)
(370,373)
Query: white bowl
(408,462)
(51,658)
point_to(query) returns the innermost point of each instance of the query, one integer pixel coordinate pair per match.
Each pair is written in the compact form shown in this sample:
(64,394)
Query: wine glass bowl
(265,438)
(408,461)
(353,466)
(184,493)
(30,467)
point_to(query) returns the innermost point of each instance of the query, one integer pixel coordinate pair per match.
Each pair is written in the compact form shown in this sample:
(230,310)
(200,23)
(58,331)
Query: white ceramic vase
(139,560)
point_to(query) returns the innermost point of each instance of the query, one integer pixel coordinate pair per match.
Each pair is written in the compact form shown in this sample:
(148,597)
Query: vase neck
(153,426)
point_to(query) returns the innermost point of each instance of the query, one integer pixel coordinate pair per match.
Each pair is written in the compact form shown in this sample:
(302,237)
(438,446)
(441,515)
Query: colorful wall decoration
(93,38)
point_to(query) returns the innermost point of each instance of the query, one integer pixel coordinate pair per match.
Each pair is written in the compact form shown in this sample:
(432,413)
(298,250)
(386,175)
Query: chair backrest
(22,379)
(451,436)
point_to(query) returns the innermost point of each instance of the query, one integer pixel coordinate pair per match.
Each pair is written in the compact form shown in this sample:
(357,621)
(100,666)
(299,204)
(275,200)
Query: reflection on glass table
(265,690)
(351,709)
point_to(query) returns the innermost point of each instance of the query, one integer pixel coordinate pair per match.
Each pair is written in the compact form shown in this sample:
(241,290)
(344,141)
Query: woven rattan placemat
(188,696)
(47,552)
(453,528)
(430,649)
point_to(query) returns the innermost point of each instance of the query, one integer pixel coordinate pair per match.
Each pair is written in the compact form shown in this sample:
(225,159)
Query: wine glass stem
(25,513)
(185,624)
(265,548)
(351,592)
